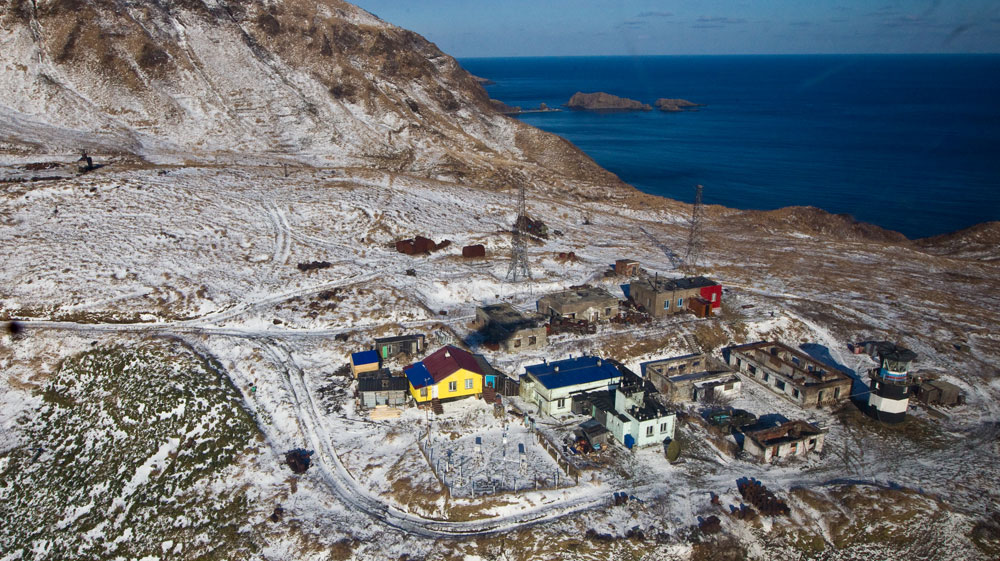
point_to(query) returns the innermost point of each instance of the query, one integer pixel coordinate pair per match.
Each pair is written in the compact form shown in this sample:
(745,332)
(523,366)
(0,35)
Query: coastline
(820,144)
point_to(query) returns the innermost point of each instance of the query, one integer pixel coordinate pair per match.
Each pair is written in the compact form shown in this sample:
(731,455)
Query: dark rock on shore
(666,104)
(502,107)
(601,101)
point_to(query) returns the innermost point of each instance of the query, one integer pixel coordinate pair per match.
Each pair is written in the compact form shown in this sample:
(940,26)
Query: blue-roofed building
(552,385)
(365,361)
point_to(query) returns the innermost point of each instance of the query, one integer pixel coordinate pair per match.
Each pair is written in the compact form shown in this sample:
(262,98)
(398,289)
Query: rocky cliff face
(319,81)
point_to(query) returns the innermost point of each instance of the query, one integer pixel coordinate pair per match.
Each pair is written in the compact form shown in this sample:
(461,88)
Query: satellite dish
(673,450)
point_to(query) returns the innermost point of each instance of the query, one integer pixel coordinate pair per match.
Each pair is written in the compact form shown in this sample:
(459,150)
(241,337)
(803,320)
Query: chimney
(447,353)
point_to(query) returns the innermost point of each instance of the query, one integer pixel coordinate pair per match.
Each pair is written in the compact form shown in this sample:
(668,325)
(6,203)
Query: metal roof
(399,338)
(573,371)
(669,285)
(381,384)
(364,357)
(418,375)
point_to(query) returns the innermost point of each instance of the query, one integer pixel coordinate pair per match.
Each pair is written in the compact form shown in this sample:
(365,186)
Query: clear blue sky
(478,28)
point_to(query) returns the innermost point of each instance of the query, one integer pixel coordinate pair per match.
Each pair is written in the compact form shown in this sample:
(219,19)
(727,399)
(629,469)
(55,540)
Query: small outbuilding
(596,435)
(389,347)
(474,251)
(626,267)
(939,392)
(364,362)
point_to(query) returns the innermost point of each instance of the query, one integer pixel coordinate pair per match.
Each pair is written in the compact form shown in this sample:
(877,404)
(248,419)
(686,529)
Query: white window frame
(469,384)
(452,387)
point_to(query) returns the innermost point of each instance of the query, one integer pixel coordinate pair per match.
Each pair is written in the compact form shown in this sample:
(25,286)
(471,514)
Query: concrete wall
(548,400)
(660,304)
(785,450)
(775,380)
(393,398)
(522,339)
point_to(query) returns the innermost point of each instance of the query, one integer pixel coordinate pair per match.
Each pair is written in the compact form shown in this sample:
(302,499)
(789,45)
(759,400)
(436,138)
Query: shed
(364,361)
(701,307)
(626,267)
(388,347)
(596,435)
(939,392)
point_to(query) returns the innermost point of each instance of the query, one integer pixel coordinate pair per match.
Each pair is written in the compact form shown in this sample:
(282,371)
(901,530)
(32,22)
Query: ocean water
(908,142)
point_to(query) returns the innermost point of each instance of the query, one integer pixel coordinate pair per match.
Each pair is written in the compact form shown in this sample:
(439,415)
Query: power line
(519,268)
(694,234)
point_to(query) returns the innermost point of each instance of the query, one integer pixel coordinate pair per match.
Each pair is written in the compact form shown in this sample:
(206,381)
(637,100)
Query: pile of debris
(710,525)
(313,265)
(535,228)
(559,325)
(744,512)
(757,494)
(420,245)
(298,459)
(631,314)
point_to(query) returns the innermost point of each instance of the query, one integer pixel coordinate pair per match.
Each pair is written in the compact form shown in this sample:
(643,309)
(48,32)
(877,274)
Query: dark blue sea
(908,142)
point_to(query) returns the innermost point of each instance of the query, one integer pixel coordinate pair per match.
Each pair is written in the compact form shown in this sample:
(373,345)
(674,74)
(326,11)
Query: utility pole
(519,268)
(694,234)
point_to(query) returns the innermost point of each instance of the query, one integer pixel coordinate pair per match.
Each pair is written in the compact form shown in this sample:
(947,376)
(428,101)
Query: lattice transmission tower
(519,268)
(694,234)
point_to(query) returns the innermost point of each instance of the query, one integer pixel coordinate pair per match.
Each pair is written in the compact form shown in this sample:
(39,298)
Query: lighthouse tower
(890,384)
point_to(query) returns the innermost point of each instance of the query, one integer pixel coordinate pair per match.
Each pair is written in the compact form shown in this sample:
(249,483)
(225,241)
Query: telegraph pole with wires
(519,268)
(694,234)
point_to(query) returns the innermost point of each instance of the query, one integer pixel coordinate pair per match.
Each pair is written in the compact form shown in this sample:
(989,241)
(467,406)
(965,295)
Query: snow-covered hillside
(251,82)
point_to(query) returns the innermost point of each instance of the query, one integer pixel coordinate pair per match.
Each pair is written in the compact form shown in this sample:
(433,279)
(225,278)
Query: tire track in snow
(351,492)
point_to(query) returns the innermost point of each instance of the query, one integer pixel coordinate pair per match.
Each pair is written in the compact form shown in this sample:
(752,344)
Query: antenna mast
(694,234)
(519,268)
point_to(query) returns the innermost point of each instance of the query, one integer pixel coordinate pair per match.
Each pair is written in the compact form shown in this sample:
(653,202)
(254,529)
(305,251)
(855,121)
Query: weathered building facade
(791,373)
(383,390)
(788,440)
(503,325)
(629,413)
(663,297)
(412,345)
(694,377)
(552,385)
(584,303)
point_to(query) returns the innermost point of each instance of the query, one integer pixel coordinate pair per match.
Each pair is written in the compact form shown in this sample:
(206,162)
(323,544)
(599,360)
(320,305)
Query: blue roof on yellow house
(364,357)
(418,375)
(573,371)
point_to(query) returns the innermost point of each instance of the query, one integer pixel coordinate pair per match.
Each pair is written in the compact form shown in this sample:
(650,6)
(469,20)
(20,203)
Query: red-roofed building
(446,373)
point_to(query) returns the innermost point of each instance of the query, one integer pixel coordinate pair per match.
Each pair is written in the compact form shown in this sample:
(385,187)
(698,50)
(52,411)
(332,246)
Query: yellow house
(446,373)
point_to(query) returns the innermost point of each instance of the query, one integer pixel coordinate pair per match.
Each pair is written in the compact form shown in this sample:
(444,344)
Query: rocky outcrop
(502,107)
(672,105)
(601,101)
